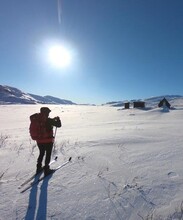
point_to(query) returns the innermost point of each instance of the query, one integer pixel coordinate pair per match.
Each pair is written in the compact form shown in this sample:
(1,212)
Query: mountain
(11,95)
(58,101)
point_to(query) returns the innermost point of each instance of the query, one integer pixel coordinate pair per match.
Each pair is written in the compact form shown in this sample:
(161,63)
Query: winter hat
(45,110)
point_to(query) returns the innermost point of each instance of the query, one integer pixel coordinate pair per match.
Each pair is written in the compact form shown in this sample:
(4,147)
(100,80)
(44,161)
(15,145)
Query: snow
(126,164)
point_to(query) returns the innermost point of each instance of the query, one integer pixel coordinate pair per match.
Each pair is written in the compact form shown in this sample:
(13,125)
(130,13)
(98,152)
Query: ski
(35,174)
(42,178)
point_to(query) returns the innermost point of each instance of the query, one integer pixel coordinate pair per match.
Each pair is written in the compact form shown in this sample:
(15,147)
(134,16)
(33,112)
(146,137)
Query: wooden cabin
(139,104)
(127,105)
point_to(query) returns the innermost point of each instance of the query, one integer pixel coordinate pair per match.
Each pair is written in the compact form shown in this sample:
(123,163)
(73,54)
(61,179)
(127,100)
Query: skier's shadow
(42,205)
(42,209)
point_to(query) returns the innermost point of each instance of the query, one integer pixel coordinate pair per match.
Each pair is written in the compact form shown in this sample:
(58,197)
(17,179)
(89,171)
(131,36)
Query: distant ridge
(11,95)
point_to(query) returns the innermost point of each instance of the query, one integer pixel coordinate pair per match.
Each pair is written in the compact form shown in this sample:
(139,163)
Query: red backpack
(37,126)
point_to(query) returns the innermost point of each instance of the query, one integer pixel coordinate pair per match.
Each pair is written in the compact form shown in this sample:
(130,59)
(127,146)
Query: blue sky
(121,49)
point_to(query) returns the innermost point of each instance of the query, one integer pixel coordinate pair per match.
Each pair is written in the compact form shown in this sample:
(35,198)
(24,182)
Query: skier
(46,140)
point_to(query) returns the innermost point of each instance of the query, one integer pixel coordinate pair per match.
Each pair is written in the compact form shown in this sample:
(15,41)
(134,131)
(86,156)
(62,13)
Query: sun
(59,56)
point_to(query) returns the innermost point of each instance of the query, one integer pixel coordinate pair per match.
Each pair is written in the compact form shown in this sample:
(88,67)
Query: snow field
(127,164)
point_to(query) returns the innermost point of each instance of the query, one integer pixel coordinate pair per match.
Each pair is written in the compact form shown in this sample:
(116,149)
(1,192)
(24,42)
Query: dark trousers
(44,149)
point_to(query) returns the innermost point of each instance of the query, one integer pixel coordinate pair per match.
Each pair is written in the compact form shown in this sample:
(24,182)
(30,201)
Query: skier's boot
(48,171)
(39,168)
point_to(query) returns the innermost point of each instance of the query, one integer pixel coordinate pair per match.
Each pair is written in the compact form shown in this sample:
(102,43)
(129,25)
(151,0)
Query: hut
(139,104)
(127,105)
(164,103)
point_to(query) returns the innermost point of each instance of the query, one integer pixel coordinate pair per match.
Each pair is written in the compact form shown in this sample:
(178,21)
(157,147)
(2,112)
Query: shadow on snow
(38,205)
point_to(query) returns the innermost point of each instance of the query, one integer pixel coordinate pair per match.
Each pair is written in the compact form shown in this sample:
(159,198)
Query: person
(45,141)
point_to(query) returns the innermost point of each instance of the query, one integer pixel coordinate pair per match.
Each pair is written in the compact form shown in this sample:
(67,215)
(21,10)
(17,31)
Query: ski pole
(54,139)
(55,132)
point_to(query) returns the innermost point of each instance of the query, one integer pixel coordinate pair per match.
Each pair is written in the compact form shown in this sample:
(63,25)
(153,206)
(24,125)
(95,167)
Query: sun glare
(59,56)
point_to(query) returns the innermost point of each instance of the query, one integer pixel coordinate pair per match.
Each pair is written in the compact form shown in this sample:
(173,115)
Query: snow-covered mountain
(11,95)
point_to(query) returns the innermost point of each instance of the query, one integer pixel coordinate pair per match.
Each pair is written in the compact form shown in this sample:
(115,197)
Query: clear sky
(121,49)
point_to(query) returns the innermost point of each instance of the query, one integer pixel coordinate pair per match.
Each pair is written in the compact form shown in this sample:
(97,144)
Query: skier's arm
(55,122)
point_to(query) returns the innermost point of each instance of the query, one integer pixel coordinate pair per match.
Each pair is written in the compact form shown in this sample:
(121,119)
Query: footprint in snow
(172,174)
